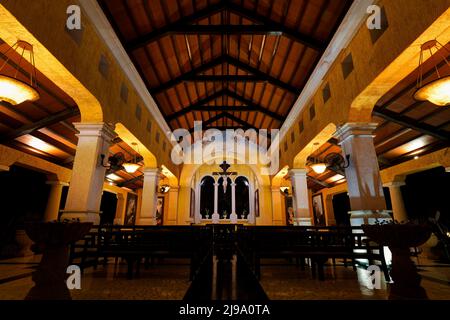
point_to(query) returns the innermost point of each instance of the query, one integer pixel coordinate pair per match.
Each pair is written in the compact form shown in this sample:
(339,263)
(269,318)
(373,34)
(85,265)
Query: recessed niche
(103,66)
(138,112)
(124,93)
(326,93)
(376,34)
(312,112)
(347,66)
(301,126)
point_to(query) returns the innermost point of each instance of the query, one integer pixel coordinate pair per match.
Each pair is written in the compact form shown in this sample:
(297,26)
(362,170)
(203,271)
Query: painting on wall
(192,210)
(319,213)
(159,211)
(257,204)
(130,213)
(289,207)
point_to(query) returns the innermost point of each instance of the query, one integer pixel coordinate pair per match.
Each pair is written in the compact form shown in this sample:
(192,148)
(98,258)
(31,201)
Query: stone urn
(400,238)
(24,244)
(54,239)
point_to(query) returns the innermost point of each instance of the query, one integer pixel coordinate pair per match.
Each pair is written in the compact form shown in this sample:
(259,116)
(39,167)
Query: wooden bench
(319,244)
(138,243)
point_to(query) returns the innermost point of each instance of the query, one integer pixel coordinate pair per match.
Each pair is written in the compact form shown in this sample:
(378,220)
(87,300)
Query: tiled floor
(171,281)
(288,282)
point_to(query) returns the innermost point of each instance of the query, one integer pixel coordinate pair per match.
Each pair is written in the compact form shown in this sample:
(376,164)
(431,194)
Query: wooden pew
(319,244)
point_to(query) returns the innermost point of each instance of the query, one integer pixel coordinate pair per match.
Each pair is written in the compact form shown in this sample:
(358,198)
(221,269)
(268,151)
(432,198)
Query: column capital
(57,183)
(394,184)
(151,172)
(298,172)
(4,168)
(89,129)
(233,184)
(352,129)
(216,184)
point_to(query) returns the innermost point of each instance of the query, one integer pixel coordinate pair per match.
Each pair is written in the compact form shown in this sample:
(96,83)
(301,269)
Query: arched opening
(242,197)
(206,197)
(224,202)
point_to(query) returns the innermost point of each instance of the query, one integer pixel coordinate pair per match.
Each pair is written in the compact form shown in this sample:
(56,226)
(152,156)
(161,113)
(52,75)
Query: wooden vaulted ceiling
(234,63)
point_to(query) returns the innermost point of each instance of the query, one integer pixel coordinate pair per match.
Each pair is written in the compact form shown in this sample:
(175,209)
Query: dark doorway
(341,207)
(242,197)
(108,208)
(224,198)
(23,197)
(426,193)
(207,197)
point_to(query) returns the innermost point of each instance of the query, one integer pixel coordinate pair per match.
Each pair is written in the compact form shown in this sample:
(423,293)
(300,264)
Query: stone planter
(24,244)
(400,238)
(54,239)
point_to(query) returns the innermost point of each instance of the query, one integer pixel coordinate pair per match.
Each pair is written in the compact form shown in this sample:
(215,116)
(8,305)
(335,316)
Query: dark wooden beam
(225,78)
(207,123)
(322,183)
(249,106)
(305,39)
(48,121)
(411,123)
(168,29)
(217,29)
(198,104)
(187,75)
(257,74)
(125,183)
(249,103)
(275,81)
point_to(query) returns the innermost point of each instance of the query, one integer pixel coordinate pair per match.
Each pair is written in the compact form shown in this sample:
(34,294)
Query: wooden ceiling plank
(411,123)
(48,121)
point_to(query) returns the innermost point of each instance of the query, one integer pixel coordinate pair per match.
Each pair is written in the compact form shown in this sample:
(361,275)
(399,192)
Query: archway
(242,197)
(206,197)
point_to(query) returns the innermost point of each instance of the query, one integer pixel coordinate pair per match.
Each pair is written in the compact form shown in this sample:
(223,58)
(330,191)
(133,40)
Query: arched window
(207,197)
(242,197)
(224,204)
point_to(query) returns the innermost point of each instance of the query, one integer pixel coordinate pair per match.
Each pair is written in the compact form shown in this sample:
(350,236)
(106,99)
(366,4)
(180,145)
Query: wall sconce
(337,163)
(164,189)
(114,162)
(284,190)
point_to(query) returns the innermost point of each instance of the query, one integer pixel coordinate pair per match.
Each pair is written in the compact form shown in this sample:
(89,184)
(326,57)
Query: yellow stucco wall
(378,68)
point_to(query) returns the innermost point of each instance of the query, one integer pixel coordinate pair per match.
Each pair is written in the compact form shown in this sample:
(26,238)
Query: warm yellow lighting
(319,168)
(336,178)
(416,157)
(15,91)
(437,92)
(284,189)
(113,177)
(131,167)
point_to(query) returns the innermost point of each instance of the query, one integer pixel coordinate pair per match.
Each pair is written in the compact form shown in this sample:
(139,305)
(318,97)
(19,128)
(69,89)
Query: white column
(88,174)
(277,207)
(54,200)
(363,175)
(301,197)
(173,206)
(233,216)
(398,205)
(216,216)
(149,197)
